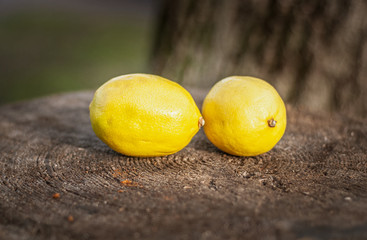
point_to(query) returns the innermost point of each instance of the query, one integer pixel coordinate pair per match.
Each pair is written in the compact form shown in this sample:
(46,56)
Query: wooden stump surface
(59,181)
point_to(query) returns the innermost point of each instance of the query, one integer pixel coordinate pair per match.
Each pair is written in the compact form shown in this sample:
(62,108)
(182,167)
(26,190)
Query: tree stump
(59,181)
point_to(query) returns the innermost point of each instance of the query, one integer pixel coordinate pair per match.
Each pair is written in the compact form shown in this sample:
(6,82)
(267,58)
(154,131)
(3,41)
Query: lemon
(144,115)
(244,116)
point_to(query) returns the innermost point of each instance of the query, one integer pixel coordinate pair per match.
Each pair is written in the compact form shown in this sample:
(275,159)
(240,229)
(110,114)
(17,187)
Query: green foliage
(43,52)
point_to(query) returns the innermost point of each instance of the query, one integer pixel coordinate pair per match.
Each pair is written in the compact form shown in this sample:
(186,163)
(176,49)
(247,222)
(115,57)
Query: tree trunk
(59,181)
(314,52)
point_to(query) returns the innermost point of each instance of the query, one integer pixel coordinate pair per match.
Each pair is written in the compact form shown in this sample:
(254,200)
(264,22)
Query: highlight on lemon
(144,115)
(245,116)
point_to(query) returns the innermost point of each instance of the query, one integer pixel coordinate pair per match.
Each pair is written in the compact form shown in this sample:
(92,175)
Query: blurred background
(314,52)
(50,46)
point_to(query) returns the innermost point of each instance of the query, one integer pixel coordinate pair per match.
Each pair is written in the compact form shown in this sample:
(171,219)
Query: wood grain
(312,185)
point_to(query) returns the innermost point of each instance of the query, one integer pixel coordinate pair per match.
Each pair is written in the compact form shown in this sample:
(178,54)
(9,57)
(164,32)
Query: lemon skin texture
(144,115)
(244,116)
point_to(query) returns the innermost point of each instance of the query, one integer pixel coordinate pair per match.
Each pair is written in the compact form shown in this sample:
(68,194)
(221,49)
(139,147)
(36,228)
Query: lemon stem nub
(272,122)
(201,122)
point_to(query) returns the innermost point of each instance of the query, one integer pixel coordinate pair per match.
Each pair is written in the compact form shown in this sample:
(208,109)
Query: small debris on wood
(56,195)
(168,198)
(212,185)
(246,174)
(70,218)
(129,183)
(262,181)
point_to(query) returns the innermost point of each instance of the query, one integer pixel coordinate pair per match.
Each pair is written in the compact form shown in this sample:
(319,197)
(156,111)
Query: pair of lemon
(147,115)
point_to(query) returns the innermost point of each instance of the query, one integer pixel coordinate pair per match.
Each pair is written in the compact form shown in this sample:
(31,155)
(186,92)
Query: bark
(312,185)
(314,52)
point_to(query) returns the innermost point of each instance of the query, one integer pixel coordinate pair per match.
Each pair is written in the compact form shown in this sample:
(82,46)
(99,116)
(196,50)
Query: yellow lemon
(144,115)
(244,116)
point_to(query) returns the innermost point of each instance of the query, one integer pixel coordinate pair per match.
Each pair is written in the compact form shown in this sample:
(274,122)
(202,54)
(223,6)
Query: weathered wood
(312,185)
